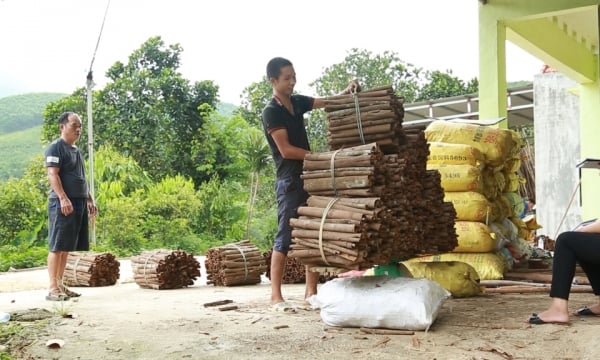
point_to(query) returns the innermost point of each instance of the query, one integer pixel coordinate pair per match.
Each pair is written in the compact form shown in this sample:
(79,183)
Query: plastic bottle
(4,317)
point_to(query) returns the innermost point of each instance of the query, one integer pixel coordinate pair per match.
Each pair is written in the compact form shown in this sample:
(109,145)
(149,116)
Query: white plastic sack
(380,302)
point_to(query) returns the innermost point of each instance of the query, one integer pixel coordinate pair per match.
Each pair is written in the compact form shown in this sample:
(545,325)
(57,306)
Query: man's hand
(352,88)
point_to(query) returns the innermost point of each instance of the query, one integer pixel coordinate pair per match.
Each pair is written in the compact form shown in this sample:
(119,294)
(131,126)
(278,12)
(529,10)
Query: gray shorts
(68,233)
(290,195)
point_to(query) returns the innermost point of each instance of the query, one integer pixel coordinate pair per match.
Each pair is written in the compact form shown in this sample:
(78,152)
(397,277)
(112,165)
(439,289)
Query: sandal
(56,295)
(69,292)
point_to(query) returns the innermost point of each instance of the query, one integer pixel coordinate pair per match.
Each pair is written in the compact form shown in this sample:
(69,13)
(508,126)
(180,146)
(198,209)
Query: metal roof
(519,108)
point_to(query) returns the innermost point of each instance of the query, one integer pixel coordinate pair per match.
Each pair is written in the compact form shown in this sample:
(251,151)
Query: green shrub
(20,257)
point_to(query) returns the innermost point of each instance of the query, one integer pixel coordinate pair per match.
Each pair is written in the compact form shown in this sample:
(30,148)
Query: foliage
(116,175)
(216,150)
(24,196)
(371,71)
(221,217)
(119,226)
(168,210)
(441,85)
(22,257)
(256,154)
(254,98)
(151,113)
(21,112)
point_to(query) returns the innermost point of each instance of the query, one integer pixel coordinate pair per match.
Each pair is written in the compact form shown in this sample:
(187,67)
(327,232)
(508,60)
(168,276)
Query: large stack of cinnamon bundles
(372,200)
(239,263)
(91,269)
(165,269)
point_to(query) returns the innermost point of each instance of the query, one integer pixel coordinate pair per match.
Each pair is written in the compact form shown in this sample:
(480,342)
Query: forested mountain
(21,112)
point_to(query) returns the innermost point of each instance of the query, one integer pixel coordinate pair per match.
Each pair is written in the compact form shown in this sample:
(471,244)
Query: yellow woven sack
(495,144)
(470,206)
(474,237)
(459,177)
(454,154)
(489,266)
(459,278)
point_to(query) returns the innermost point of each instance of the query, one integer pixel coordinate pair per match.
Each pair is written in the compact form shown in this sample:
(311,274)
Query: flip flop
(586,311)
(56,295)
(70,293)
(283,307)
(535,320)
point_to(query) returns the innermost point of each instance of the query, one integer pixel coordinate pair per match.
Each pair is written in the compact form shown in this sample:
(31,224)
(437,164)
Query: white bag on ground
(380,302)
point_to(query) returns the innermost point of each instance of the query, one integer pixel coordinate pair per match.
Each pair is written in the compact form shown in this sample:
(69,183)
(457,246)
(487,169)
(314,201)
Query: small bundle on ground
(165,269)
(91,269)
(239,263)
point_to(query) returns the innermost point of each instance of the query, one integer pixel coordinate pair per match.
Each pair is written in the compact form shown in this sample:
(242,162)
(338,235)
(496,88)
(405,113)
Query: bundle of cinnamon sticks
(373,115)
(91,269)
(239,263)
(165,269)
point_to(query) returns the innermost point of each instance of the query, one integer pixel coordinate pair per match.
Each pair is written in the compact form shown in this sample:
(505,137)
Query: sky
(49,45)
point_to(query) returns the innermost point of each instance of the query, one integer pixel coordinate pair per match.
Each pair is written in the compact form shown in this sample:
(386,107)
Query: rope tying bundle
(244,258)
(325,212)
(358,118)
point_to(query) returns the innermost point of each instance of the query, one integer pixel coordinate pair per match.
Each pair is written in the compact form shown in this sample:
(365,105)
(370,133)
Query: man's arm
(287,150)
(66,207)
(353,86)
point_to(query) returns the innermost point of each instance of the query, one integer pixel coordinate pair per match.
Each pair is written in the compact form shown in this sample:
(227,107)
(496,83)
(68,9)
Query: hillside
(20,112)
(18,149)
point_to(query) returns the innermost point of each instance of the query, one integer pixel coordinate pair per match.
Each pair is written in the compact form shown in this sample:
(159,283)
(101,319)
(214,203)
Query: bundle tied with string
(239,263)
(373,115)
(165,269)
(91,269)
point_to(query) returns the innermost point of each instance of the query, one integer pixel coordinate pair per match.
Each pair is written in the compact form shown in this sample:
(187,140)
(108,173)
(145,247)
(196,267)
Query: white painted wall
(557,151)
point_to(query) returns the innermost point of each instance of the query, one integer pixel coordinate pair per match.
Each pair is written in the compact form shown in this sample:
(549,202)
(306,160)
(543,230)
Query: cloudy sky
(48,45)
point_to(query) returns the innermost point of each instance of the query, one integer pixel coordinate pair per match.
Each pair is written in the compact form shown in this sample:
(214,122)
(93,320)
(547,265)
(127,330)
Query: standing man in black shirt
(69,204)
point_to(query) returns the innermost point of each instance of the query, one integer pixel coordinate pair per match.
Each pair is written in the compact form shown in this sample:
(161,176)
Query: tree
(441,85)
(257,155)
(254,98)
(216,150)
(147,111)
(371,71)
(153,112)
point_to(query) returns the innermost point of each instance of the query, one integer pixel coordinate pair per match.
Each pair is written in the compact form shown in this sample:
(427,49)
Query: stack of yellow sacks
(478,167)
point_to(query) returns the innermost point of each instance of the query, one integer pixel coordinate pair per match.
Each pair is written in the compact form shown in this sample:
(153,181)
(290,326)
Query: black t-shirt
(275,116)
(72,174)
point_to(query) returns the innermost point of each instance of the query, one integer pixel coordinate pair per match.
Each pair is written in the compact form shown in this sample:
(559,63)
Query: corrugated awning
(519,108)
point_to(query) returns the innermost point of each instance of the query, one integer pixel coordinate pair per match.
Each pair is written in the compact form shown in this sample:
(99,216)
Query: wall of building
(557,151)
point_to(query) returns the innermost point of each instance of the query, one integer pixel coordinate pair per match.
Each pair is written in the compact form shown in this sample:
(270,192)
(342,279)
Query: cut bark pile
(370,203)
(91,269)
(165,269)
(239,263)
(373,115)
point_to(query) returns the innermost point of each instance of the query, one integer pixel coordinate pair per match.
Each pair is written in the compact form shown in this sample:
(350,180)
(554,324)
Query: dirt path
(126,322)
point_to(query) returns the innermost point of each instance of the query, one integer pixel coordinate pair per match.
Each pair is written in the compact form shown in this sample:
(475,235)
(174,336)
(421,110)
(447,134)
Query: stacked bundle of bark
(165,269)
(373,115)
(239,263)
(91,269)
(370,203)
